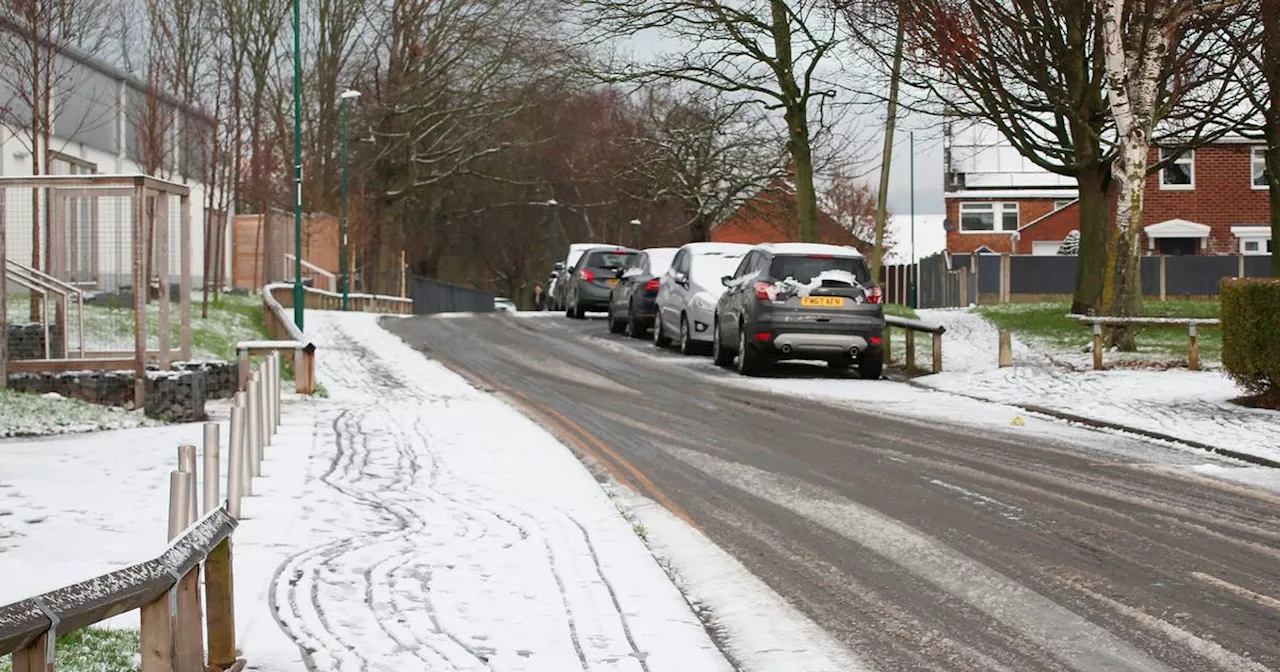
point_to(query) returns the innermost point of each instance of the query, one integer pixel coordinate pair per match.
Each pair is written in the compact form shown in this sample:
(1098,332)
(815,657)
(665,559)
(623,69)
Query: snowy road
(943,541)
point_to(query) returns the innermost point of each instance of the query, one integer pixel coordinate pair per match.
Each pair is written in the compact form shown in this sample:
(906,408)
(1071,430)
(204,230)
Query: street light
(347,95)
(639,233)
(298,299)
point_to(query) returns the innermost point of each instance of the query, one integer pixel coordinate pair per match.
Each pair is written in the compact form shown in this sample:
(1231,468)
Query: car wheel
(568,308)
(660,338)
(748,361)
(615,326)
(686,339)
(871,367)
(720,354)
(634,329)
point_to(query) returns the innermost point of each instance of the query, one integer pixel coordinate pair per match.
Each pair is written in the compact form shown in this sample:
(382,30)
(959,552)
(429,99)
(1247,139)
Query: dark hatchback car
(634,300)
(800,301)
(593,278)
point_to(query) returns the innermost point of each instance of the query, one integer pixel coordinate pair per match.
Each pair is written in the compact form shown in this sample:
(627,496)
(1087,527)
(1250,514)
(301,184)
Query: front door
(1176,246)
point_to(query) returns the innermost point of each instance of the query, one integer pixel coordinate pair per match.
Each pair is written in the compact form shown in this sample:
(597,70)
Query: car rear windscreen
(609,259)
(804,267)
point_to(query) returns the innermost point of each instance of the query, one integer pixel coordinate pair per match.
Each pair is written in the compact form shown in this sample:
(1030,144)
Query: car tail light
(586,275)
(874,295)
(877,340)
(762,290)
(653,285)
(763,335)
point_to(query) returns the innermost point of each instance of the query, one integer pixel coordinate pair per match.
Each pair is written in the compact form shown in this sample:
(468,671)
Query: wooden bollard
(888,344)
(1193,348)
(937,352)
(1097,346)
(911,349)
(1006,348)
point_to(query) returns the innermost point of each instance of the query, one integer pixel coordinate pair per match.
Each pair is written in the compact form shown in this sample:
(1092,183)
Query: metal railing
(44,284)
(175,622)
(331,280)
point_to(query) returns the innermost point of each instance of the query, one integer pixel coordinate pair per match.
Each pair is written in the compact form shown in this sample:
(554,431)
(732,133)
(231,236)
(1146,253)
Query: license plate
(822,301)
(613,282)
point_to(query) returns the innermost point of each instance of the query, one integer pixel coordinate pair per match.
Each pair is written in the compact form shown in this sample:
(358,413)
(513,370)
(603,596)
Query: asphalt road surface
(923,546)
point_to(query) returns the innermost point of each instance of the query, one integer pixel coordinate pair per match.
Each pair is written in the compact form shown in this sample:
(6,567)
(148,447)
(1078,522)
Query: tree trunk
(806,195)
(1122,288)
(1271,71)
(886,157)
(1095,233)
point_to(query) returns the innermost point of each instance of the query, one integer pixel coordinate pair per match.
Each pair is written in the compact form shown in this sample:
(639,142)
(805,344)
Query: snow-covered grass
(1047,325)
(94,650)
(40,415)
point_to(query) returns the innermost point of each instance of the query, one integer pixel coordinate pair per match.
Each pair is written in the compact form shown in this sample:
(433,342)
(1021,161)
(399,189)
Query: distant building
(97,122)
(1212,201)
(770,217)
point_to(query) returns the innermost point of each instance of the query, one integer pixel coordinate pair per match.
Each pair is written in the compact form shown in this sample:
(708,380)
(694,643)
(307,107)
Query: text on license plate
(613,281)
(822,301)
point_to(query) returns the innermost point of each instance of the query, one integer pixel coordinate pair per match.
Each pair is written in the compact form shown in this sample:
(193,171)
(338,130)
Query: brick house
(770,217)
(1212,201)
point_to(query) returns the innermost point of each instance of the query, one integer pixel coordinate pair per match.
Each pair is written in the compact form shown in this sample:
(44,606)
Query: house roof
(1177,228)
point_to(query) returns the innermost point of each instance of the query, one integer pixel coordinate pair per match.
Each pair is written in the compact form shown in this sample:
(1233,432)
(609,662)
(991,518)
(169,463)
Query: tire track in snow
(383,464)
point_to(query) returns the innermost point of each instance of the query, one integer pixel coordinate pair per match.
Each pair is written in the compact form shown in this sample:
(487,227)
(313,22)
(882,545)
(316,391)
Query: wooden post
(1240,266)
(219,591)
(937,352)
(141,288)
(1006,286)
(184,267)
(158,626)
(888,344)
(404,276)
(34,657)
(911,349)
(1006,349)
(190,634)
(1097,346)
(243,368)
(212,473)
(1163,277)
(964,288)
(162,267)
(975,262)
(1193,348)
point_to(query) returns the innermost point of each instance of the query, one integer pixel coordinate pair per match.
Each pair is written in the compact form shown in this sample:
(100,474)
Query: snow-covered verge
(1190,405)
(24,414)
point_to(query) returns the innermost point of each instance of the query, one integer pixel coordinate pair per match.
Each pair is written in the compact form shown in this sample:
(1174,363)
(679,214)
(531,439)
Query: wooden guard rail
(911,327)
(1192,324)
(166,590)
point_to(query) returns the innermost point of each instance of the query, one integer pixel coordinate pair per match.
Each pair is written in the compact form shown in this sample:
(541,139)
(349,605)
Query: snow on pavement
(1191,405)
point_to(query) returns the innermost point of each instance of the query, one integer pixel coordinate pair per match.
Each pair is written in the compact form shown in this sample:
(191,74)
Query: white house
(98,116)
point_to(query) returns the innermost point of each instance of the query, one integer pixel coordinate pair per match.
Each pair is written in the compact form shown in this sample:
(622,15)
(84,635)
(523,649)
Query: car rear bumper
(592,296)
(646,307)
(792,341)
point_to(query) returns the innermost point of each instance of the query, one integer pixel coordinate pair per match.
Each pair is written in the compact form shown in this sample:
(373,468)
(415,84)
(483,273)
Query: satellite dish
(948,225)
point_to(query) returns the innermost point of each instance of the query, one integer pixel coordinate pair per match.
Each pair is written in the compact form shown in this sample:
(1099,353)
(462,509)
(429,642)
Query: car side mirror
(726,280)
(682,279)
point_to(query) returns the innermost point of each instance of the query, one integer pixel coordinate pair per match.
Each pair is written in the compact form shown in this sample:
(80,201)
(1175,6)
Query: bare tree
(1257,39)
(772,53)
(1141,43)
(710,154)
(857,210)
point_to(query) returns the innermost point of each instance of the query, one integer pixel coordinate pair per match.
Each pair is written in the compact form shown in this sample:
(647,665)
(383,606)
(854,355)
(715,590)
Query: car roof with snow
(738,249)
(810,248)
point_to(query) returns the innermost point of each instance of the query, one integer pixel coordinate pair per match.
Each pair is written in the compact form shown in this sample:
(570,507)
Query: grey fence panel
(1042,275)
(1197,275)
(1150,274)
(1257,267)
(989,273)
(430,296)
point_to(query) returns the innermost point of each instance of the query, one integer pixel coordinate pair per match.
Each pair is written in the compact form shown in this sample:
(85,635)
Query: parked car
(563,269)
(501,304)
(800,301)
(634,300)
(688,293)
(593,278)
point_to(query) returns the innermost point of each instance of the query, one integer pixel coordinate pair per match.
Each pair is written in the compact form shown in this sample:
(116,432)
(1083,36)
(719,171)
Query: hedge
(1251,335)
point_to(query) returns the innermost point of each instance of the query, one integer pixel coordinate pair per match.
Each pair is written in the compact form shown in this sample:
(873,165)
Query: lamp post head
(349,94)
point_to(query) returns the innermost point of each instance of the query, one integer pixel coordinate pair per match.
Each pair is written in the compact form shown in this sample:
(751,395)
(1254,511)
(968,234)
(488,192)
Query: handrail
(911,327)
(59,287)
(1191,323)
(308,265)
(351,295)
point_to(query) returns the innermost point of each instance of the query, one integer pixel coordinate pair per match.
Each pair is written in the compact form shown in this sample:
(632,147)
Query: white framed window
(1058,205)
(1258,168)
(1254,239)
(988,217)
(1252,246)
(1181,173)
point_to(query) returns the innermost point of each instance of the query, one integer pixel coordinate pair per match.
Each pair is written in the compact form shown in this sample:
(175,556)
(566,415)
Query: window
(1251,246)
(1181,173)
(981,217)
(804,269)
(1058,205)
(1258,163)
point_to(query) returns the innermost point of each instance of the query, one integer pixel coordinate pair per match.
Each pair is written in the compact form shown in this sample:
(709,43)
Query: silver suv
(800,301)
